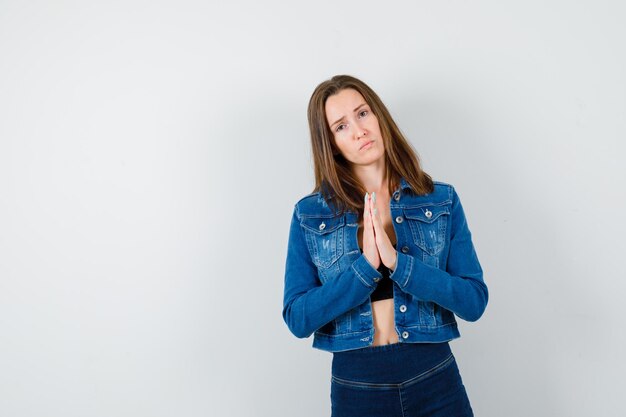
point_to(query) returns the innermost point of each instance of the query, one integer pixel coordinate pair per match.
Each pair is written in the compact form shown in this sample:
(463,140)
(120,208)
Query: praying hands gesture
(377,247)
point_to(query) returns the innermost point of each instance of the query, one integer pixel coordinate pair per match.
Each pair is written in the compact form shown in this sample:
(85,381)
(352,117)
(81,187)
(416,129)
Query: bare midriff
(383,316)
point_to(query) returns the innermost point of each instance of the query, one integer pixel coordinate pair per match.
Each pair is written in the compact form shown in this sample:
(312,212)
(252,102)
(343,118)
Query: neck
(373,177)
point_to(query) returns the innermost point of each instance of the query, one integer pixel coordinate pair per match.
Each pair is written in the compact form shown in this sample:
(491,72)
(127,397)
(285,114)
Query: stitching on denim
(320,216)
(361,278)
(443,212)
(365,385)
(408,274)
(420,240)
(422,326)
(407,383)
(342,335)
(424,204)
(401,400)
(311,239)
(430,372)
(340,224)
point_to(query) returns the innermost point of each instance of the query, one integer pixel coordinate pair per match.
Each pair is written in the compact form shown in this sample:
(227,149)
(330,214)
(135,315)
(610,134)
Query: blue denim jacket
(328,280)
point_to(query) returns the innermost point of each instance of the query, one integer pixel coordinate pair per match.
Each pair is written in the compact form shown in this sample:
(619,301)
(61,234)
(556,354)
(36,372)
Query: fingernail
(374,197)
(365,201)
(375,211)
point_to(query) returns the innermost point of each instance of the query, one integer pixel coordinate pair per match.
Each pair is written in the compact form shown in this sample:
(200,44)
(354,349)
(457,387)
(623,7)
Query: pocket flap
(426,214)
(322,225)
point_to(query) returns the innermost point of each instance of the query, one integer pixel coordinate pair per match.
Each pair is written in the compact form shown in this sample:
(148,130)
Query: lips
(366,144)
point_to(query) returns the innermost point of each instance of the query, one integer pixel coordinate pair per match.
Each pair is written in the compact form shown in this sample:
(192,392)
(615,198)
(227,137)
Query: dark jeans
(401,379)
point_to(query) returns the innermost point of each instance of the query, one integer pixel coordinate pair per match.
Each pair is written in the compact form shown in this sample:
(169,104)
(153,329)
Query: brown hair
(333,176)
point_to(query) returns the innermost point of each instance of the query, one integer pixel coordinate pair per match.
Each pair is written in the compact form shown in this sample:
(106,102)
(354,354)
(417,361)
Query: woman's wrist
(395,262)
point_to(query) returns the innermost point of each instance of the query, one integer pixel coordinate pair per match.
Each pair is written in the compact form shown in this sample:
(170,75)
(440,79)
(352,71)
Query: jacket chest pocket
(324,237)
(428,226)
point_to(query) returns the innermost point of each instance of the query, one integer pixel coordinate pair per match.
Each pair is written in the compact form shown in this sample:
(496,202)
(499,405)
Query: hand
(369,239)
(386,251)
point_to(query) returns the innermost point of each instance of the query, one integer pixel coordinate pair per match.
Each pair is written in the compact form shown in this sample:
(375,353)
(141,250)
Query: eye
(339,128)
(363,113)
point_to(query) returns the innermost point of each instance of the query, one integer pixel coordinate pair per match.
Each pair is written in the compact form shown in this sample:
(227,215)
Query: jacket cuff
(404,265)
(367,274)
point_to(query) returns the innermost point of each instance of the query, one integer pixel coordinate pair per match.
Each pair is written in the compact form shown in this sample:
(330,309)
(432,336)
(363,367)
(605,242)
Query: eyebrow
(342,117)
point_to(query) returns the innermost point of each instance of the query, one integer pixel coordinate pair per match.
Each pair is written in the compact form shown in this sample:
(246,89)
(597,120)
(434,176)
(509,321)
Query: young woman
(379,262)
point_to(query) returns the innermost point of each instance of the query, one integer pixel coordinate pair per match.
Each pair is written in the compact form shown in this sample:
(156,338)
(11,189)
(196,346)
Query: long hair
(333,176)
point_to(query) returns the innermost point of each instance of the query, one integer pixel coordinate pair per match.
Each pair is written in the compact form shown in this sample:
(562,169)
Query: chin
(376,154)
(369,159)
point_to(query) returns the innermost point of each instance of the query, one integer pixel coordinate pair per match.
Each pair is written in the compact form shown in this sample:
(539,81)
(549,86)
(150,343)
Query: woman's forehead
(342,103)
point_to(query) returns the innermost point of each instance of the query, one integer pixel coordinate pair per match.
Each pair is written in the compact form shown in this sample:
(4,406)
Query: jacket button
(399,219)
(405,335)
(376,279)
(322,226)
(396,197)
(402,309)
(405,249)
(429,213)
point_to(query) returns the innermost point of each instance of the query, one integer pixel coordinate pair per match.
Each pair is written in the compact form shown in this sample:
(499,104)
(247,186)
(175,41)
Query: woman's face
(354,126)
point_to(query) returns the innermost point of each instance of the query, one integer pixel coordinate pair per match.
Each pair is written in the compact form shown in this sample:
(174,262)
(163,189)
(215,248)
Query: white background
(151,153)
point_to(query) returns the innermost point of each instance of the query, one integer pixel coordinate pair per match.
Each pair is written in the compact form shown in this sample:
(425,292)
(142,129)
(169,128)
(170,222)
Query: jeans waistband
(389,364)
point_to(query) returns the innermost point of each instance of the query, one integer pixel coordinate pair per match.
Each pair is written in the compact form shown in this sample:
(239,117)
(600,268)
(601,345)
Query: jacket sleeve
(307,304)
(460,288)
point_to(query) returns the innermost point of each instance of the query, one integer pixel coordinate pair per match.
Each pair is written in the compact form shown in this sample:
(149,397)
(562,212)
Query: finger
(369,240)
(367,223)
(376,221)
(386,251)
(382,240)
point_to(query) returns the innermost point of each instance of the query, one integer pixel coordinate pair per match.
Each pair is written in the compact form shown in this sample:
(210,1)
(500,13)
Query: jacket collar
(404,184)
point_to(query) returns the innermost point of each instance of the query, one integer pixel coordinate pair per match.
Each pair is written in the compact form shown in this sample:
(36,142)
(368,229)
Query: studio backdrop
(151,154)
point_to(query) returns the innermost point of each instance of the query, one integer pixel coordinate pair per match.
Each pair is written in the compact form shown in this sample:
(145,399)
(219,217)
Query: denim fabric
(398,380)
(328,281)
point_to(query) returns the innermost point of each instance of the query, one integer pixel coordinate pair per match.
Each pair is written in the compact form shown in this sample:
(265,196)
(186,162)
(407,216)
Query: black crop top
(384,289)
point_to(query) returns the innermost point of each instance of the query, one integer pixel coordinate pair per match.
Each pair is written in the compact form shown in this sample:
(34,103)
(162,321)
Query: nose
(360,131)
